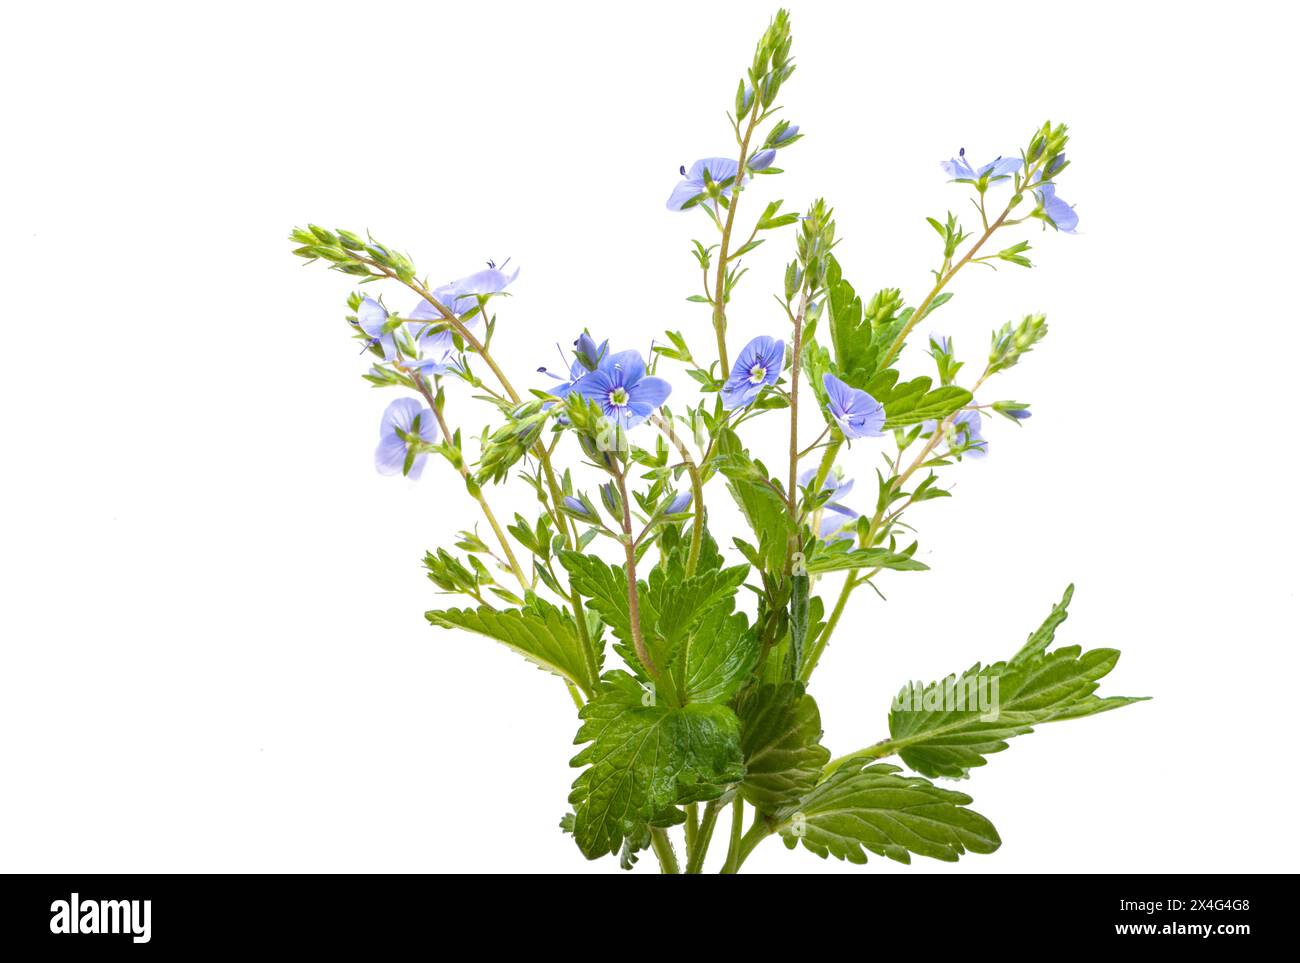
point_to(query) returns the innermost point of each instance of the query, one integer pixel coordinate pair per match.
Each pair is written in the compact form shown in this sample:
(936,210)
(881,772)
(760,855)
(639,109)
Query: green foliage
(780,732)
(860,335)
(760,500)
(1034,687)
(687,623)
(644,760)
(712,706)
(541,633)
(719,655)
(879,811)
(838,558)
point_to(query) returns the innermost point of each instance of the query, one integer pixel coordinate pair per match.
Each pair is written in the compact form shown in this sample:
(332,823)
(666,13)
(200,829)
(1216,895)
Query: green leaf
(605,588)
(645,760)
(798,618)
(940,729)
(838,561)
(541,633)
(861,334)
(890,815)
(680,603)
(718,657)
(933,405)
(780,735)
(674,611)
(761,503)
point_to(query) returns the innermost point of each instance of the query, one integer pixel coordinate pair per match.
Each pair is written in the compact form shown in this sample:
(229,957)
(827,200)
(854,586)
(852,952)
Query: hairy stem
(852,580)
(477,493)
(539,451)
(720,286)
(697,491)
(633,598)
(663,847)
(792,484)
(946,276)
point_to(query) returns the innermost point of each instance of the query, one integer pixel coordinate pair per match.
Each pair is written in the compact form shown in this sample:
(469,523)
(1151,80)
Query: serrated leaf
(541,633)
(832,561)
(780,735)
(718,657)
(879,811)
(932,406)
(948,727)
(605,588)
(764,509)
(861,333)
(645,760)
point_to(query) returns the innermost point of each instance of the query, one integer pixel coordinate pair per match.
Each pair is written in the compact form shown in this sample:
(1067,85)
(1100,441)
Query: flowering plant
(710,709)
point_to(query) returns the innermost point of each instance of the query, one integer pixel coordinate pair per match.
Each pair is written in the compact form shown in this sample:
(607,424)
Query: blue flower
(1061,213)
(762,160)
(758,365)
(576,373)
(718,168)
(372,317)
(491,280)
(433,338)
(857,413)
(839,516)
(404,421)
(622,390)
(1020,414)
(966,429)
(587,358)
(959,168)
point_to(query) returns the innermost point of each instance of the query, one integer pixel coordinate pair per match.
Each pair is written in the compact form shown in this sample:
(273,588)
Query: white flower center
(757,374)
(618,397)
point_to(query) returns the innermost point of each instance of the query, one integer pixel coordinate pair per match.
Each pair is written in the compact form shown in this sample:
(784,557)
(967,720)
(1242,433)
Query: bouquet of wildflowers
(690,665)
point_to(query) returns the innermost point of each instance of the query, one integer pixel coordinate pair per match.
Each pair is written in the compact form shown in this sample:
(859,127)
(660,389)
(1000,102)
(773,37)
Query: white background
(214,656)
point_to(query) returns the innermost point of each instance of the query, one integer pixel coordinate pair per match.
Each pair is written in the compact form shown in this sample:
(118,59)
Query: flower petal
(649,391)
(627,368)
(683,192)
(390,455)
(399,414)
(371,317)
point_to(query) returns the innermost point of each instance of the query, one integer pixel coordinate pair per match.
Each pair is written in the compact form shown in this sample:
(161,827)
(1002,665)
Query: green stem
(570,541)
(737,824)
(697,492)
(792,482)
(852,581)
(703,836)
(828,460)
(633,598)
(880,750)
(719,291)
(815,654)
(477,493)
(946,276)
(757,833)
(692,827)
(663,847)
